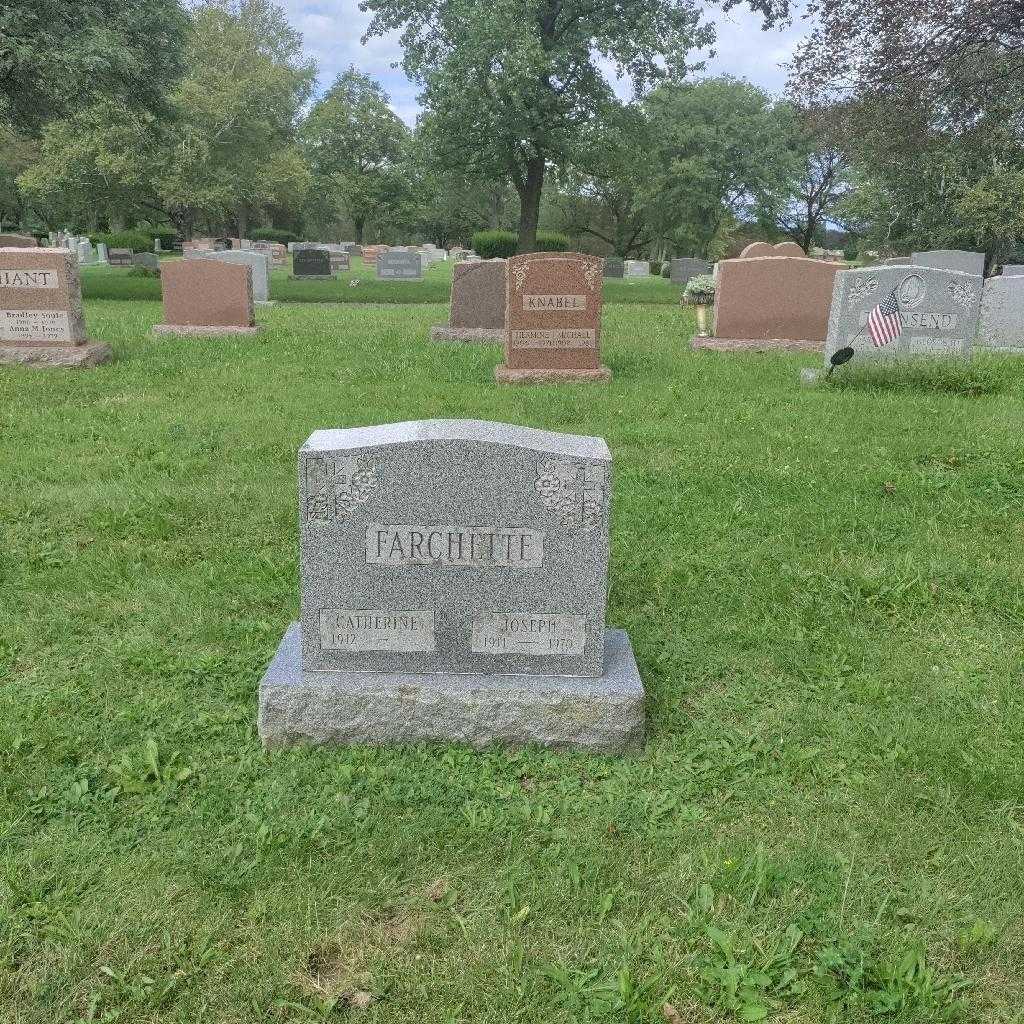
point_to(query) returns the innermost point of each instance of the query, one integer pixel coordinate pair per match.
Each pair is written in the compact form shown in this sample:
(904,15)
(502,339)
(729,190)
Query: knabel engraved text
(554,303)
(480,546)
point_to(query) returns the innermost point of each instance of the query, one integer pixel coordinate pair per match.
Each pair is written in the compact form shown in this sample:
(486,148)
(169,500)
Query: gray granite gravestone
(340,261)
(259,262)
(939,311)
(148,260)
(897,261)
(614,267)
(951,259)
(1002,314)
(1013,270)
(101,252)
(637,268)
(454,575)
(86,255)
(120,258)
(311,263)
(680,271)
(399,265)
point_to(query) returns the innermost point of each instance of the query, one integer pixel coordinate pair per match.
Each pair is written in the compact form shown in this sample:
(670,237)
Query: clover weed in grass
(824,590)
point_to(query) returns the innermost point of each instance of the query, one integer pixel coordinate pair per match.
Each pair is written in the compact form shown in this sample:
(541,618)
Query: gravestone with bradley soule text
(207,296)
(400,265)
(553,319)
(311,263)
(453,581)
(478,303)
(41,320)
(937,310)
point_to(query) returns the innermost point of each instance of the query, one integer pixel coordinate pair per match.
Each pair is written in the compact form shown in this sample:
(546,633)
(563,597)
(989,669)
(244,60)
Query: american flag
(885,323)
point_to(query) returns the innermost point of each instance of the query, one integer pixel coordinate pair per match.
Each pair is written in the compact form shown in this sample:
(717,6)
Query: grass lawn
(101,282)
(825,591)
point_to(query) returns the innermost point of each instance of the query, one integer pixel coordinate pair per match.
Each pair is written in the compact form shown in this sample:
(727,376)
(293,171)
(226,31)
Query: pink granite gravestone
(553,316)
(772,297)
(41,320)
(206,297)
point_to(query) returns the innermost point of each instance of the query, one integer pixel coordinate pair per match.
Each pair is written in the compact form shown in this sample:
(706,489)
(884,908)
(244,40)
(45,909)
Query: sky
(332,30)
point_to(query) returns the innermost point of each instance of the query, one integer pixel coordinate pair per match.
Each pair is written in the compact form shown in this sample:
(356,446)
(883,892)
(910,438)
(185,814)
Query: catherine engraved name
(480,546)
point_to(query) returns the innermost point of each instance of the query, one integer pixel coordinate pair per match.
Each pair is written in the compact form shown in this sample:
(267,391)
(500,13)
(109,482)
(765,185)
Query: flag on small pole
(885,322)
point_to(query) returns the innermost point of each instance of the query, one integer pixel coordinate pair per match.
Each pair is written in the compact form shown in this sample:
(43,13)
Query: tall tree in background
(512,84)
(354,141)
(809,198)
(225,148)
(717,149)
(58,56)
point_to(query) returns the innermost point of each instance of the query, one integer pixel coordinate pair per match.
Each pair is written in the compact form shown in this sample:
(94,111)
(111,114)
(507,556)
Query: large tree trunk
(242,218)
(529,204)
(359,224)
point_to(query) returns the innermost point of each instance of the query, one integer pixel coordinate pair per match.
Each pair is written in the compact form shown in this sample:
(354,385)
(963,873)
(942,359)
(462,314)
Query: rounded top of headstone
(482,431)
(756,249)
(788,249)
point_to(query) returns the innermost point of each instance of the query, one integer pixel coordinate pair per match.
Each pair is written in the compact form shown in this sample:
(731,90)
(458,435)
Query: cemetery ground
(824,588)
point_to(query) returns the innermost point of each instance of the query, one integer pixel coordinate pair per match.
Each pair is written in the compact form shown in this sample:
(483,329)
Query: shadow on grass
(984,375)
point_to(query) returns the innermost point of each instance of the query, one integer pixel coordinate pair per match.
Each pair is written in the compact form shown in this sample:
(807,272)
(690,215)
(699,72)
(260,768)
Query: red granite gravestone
(553,319)
(206,297)
(772,297)
(41,321)
(18,242)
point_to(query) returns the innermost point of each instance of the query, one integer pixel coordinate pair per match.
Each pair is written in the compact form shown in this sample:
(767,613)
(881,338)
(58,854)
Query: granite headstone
(478,303)
(453,580)
(1002,314)
(41,320)
(553,319)
(681,270)
(311,263)
(400,265)
(614,267)
(951,259)
(939,311)
(207,296)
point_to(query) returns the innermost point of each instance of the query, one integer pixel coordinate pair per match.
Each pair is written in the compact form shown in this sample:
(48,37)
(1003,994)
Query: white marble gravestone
(454,575)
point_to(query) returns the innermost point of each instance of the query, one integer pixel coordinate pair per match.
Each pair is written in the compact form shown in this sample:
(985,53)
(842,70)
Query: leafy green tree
(226,148)
(606,192)
(717,149)
(511,85)
(354,141)
(58,56)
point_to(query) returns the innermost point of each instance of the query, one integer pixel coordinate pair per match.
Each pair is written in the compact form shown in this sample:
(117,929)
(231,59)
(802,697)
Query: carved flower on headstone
(519,273)
(861,290)
(962,294)
(336,487)
(575,492)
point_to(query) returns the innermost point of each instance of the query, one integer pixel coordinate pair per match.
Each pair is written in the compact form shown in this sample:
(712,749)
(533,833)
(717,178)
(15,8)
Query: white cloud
(332,31)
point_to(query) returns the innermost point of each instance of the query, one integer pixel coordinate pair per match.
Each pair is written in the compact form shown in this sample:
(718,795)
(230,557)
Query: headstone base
(757,344)
(546,375)
(479,335)
(191,329)
(603,715)
(56,356)
(265,302)
(312,277)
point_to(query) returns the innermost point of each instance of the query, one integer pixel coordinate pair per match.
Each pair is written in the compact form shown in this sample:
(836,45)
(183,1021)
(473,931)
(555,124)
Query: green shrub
(552,241)
(274,235)
(489,245)
(666,268)
(137,241)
